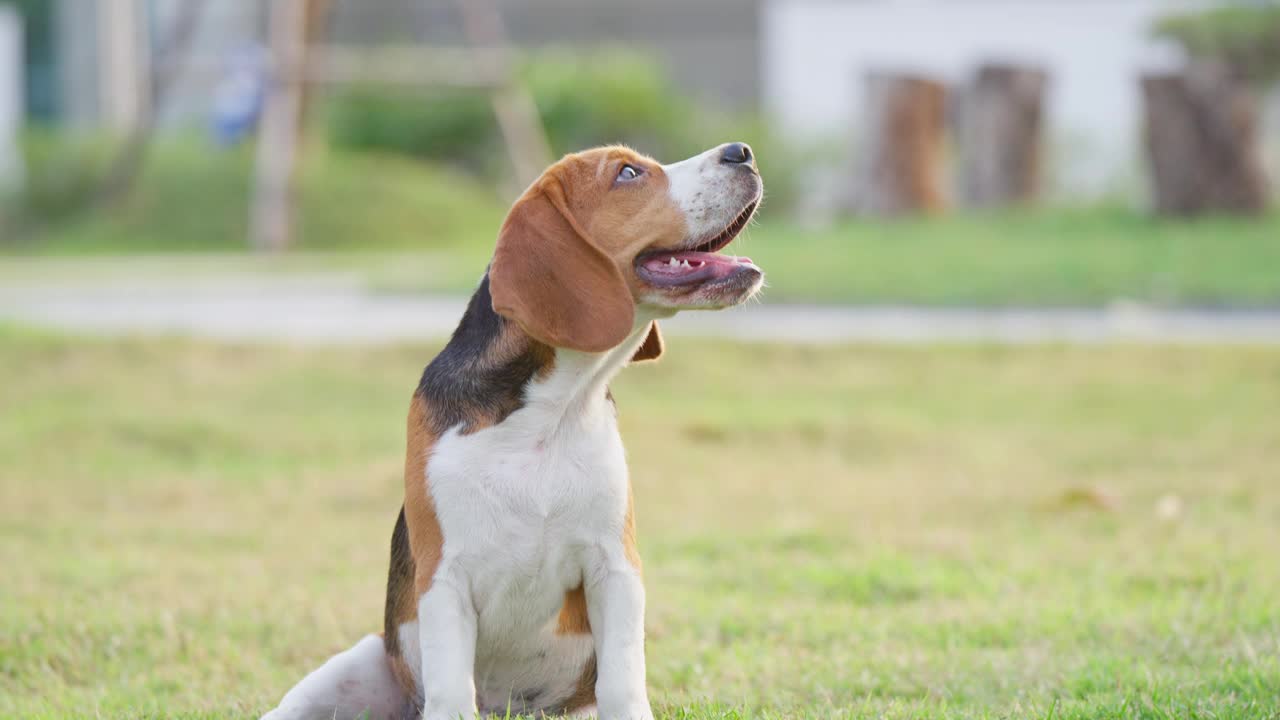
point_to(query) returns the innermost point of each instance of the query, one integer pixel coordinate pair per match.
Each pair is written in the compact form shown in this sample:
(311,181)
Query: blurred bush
(193,196)
(1245,37)
(62,170)
(447,126)
(612,97)
(584,99)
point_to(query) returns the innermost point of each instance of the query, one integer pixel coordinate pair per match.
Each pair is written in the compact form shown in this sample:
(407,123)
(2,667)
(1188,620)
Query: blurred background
(1000,439)
(409,125)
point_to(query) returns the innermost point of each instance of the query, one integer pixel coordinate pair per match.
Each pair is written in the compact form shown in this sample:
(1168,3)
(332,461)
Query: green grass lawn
(400,225)
(1045,257)
(856,532)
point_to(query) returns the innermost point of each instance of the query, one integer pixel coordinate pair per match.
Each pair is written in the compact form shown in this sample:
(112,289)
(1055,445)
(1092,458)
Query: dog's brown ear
(652,347)
(554,281)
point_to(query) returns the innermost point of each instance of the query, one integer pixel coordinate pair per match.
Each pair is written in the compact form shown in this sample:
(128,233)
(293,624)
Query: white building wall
(816,54)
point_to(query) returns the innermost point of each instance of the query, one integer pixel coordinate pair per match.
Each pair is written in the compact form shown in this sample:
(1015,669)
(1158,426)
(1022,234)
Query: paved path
(301,310)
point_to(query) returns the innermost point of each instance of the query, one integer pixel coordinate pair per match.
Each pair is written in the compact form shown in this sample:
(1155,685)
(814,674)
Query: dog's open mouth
(699,264)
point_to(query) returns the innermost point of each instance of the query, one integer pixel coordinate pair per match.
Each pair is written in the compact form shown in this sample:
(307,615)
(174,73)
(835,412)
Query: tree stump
(1001,136)
(899,171)
(1202,143)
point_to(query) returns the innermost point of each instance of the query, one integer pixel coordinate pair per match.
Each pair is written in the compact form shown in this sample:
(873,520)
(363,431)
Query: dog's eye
(629,172)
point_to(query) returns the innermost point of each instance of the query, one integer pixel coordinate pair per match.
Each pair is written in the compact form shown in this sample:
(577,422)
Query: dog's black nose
(736,154)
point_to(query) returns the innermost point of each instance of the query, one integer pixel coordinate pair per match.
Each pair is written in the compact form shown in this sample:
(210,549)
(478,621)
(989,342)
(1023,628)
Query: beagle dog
(515,581)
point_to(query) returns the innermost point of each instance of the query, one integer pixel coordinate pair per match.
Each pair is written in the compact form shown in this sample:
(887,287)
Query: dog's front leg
(447,635)
(615,607)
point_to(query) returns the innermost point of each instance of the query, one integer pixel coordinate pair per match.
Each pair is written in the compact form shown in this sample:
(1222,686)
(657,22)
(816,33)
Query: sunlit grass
(942,532)
(1041,257)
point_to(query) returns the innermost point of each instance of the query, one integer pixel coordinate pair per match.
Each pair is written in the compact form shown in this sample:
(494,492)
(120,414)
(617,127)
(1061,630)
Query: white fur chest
(523,503)
(530,509)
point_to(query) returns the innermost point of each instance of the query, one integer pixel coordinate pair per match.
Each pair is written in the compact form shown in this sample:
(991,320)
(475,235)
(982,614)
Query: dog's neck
(581,378)
(490,368)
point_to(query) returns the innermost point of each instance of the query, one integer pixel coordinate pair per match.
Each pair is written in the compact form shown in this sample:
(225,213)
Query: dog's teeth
(673,262)
(684,263)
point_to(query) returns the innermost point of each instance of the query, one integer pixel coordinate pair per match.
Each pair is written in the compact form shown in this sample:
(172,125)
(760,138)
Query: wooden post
(1202,143)
(271,219)
(900,158)
(315,22)
(1001,135)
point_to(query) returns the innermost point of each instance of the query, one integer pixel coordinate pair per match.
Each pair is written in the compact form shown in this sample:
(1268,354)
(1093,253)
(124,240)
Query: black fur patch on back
(466,381)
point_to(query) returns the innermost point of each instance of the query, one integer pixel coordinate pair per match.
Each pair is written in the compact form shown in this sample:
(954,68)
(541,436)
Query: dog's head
(608,230)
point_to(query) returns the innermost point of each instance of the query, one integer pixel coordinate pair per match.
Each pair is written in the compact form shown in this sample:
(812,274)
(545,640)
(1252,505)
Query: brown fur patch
(416,544)
(652,347)
(425,537)
(573,618)
(551,279)
(564,264)
(621,220)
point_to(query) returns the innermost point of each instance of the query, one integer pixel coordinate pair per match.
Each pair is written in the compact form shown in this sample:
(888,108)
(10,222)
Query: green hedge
(1246,37)
(584,99)
(191,196)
